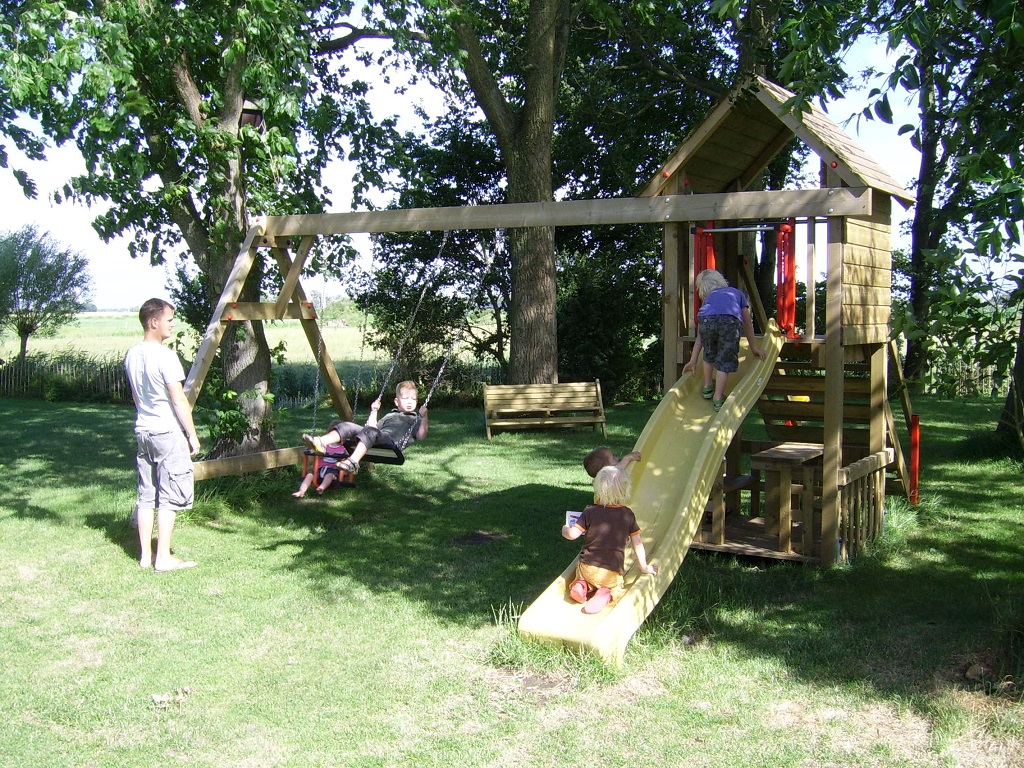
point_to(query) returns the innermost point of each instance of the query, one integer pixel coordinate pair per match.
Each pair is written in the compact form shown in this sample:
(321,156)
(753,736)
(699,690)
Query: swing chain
(316,380)
(456,337)
(412,320)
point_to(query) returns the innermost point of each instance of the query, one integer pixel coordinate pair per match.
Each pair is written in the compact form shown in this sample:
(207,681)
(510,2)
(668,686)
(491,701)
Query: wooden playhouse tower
(816,488)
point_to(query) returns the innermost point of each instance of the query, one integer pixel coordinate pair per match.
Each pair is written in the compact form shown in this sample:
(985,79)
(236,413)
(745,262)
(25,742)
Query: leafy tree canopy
(42,285)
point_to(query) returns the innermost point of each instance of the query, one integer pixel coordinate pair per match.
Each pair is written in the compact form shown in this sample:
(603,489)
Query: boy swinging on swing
(394,431)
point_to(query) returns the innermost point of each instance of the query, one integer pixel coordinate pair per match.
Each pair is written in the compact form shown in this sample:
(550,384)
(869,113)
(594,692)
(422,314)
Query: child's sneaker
(348,465)
(708,392)
(314,443)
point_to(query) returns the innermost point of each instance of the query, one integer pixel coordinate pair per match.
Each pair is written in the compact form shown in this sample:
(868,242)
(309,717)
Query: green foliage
(819,306)
(459,281)
(344,311)
(963,64)
(974,319)
(151,94)
(42,286)
(609,320)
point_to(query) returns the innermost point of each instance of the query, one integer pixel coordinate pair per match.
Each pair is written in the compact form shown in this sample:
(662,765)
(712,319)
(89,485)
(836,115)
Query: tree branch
(188,92)
(345,42)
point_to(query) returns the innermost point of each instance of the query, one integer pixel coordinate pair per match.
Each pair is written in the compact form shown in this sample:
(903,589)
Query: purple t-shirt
(724,301)
(606,531)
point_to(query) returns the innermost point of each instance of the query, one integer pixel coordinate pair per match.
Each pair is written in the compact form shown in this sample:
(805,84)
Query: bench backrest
(569,396)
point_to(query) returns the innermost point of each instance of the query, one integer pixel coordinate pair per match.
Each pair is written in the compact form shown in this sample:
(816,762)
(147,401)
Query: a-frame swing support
(291,303)
(275,232)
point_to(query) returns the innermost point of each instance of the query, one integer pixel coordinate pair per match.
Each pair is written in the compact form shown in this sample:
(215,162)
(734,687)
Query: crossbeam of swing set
(271,230)
(759,228)
(772,204)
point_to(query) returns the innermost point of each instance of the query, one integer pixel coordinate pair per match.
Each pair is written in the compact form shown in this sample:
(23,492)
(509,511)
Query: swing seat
(384,456)
(347,479)
(373,456)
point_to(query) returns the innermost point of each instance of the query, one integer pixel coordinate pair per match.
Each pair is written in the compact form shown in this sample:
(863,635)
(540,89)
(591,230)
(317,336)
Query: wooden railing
(862,502)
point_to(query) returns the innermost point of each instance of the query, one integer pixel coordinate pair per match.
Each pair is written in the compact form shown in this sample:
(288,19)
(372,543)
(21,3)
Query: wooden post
(809,323)
(673,319)
(833,416)
(718,511)
(807,511)
(215,329)
(878,364)
(785,518)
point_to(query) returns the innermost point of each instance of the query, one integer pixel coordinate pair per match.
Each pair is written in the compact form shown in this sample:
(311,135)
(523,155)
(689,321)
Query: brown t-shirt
(606,531)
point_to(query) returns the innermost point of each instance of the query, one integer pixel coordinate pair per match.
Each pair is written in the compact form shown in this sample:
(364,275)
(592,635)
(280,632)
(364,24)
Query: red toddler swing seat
(374,456)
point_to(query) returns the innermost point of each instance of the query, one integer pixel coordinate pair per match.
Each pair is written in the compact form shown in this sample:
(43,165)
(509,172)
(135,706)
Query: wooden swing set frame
(703,181)
(278,233)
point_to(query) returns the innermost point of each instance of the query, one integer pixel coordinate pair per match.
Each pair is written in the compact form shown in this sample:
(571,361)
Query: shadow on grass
(77,453)
(467,526)
(459,559)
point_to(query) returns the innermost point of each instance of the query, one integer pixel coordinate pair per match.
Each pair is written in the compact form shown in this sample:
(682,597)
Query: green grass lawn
(375,626)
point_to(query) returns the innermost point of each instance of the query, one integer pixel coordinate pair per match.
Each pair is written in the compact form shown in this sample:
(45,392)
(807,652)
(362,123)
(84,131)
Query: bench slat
(515,406)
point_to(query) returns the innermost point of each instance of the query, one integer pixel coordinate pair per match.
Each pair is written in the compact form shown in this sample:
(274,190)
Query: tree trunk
(533,352)
(23,352)
(927,229)
(1011,421)
(524,137)
(245,353)
(533,349)
(246,365)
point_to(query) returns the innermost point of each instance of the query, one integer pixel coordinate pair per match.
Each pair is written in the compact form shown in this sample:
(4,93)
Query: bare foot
(145,563)
(174,564)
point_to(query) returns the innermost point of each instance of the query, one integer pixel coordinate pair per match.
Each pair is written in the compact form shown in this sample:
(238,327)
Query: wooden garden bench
(522,406)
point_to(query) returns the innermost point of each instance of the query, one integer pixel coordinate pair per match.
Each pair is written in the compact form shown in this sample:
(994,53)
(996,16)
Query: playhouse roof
(730,148)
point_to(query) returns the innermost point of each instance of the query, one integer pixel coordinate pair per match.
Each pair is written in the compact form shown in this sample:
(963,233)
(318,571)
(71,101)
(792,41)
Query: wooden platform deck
(746,536)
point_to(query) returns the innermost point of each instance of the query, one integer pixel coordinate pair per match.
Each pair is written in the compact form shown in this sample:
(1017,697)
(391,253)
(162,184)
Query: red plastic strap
(785,289)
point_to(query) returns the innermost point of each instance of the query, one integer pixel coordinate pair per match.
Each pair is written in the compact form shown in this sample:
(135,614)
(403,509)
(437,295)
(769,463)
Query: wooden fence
(67,379)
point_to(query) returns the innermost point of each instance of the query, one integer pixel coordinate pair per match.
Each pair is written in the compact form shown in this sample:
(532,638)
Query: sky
(121,282)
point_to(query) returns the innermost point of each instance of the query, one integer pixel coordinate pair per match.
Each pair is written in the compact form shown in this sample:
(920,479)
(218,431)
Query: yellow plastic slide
(681,450)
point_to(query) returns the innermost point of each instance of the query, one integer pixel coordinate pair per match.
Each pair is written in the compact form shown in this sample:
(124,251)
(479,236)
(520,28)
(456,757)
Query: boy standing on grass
(165,433)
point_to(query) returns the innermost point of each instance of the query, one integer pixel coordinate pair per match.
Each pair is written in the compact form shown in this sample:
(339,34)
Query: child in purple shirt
(724,314)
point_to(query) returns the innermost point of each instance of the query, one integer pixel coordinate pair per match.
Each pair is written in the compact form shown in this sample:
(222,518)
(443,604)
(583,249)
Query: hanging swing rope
(412,320)
(456,338)
(362,350)
(319,360)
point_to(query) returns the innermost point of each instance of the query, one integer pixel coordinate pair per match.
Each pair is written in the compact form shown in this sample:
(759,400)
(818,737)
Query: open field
(374,626)
(99,334)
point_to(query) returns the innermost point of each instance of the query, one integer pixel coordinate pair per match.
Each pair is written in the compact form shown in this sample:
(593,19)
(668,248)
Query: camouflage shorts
(720,337)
